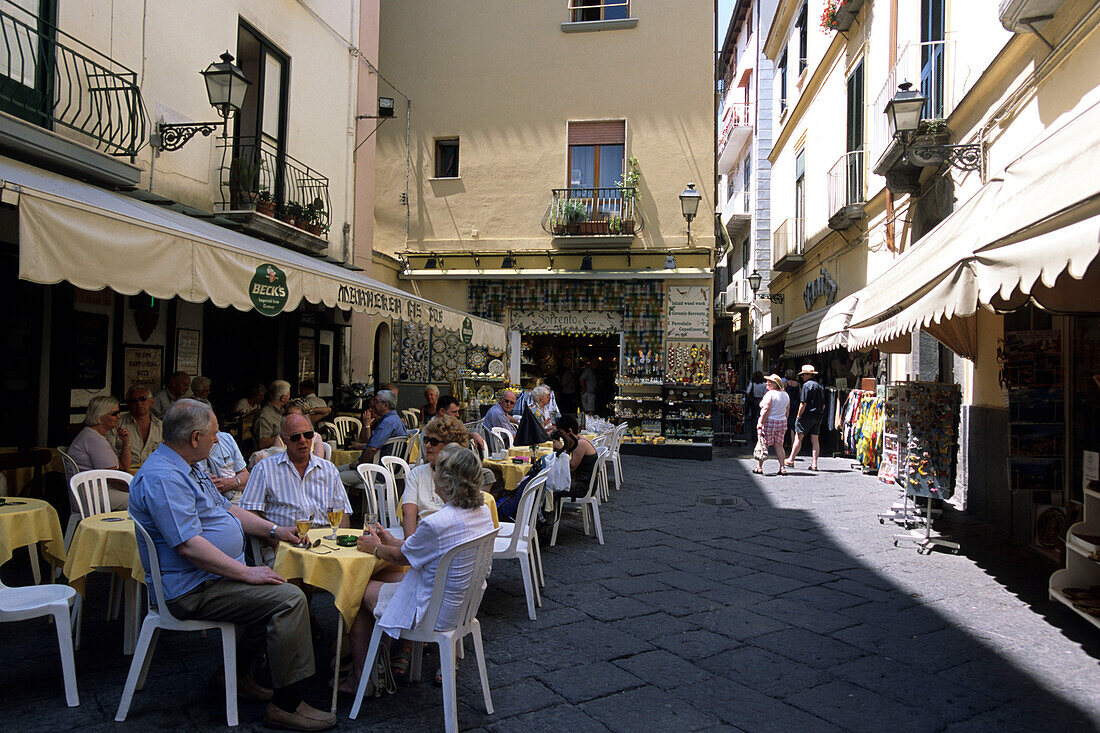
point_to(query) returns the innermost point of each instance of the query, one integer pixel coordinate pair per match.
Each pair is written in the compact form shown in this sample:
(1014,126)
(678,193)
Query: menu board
(687,311)
(142,365)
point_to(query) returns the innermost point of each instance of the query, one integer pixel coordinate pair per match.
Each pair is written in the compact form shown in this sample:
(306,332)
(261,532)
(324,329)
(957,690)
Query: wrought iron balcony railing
(788,239)
(256,175)
(846,182)
(55,81)
(592,212)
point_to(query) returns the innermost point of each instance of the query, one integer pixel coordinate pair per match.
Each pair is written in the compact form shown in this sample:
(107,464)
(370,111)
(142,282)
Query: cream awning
(94,238)
(774,336)
(821,330)
(1032,226)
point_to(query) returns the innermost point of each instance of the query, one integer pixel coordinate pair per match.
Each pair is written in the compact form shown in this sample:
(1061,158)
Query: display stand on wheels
(922,420)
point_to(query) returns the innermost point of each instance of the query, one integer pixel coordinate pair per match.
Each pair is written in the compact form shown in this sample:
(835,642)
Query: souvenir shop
(648,341)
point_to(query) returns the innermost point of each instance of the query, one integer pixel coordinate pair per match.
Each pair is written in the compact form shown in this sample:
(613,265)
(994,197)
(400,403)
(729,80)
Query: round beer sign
(268,290)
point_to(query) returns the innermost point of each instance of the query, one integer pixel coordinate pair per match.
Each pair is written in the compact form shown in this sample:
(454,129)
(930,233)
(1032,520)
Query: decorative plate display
(496,368)
(485,394)
(452,340)
(438,344)
(477,357)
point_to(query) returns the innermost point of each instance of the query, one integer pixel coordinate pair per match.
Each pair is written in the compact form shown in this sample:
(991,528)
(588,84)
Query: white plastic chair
(397,446)
(615,444)
(412,418)
(20,604)
(386,501)
(327,448)
(347,428)
(591,499)
(159,617)
(504,435)
(88,494)
(71,469)
(482,452)
(518,544)
(447,640)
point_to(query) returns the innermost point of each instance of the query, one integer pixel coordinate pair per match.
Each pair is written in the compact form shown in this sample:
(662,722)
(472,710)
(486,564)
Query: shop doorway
(240,349)
(560,360)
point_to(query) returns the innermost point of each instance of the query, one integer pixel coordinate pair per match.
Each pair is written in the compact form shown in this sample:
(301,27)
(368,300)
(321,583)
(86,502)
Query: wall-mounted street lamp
(226,85)
(903,113)
(754,282)
(689,205)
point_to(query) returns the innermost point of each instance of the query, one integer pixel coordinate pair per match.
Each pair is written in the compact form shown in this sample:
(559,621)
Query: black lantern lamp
(689,204)
(904,113)
(754,281)
(226,86)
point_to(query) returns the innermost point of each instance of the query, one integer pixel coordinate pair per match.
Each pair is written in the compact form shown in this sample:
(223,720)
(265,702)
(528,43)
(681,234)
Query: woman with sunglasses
(420,499)
(91,450)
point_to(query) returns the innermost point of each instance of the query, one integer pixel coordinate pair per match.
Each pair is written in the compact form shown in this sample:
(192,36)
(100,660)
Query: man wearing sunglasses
(500,414)
(296,484)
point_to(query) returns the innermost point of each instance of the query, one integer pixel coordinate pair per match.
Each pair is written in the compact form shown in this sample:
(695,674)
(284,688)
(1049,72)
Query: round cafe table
(342,571)
(25,521)
(344,457)
(107,542)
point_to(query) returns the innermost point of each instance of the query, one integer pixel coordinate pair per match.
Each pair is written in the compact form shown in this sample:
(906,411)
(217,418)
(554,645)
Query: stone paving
(721,601)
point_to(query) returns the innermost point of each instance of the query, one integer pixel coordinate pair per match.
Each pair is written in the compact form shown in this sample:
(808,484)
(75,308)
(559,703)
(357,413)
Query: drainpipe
(893,48)
(353,106)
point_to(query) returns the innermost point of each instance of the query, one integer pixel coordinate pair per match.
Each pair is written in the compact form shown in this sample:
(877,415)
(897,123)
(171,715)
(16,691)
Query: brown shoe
(306,717)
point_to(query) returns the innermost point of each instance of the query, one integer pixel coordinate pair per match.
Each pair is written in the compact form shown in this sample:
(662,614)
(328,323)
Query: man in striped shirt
(294,485)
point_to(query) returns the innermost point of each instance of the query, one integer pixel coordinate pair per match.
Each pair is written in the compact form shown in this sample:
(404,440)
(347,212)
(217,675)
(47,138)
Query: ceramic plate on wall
(496,368)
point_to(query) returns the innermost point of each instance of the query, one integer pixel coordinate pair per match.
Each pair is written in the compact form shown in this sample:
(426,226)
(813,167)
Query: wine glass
(335,516)
(303,523)
(370,519)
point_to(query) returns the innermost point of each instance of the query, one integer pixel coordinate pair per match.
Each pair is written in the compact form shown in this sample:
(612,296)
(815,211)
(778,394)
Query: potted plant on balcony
(628,190)
(295,212)
(557,217)
(615,225)
(313,216)
(265,203)
(243,174)
(574,213)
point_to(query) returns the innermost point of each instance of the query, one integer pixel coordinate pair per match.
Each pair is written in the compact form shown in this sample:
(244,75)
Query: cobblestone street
(721,600)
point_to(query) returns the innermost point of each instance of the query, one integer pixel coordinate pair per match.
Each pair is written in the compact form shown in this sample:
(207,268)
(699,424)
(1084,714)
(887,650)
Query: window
(587,10)
(932,58)
(783,81)
(803,39)
(27,67)
(746,178)
(745,248)
(854,136)
(446,158)
(596,154)
(260,138)
(799,199)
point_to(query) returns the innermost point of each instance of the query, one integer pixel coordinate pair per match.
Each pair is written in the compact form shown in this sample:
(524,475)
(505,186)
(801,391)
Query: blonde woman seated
(420,499)
(400,601)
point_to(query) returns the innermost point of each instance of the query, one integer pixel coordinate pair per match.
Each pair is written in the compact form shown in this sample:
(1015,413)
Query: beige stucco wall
(168,44)
(505,79)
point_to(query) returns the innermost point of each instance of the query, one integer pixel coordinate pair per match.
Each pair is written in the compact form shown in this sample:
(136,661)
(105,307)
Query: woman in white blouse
(401,605)
(420,499)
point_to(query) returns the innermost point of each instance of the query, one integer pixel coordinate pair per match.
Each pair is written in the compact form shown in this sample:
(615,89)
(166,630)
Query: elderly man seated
(225,466)
(318,409)
(449,406)
(384,407)
(144,428)
(295,484)
(179,383)
(500,414)
(270,418)
(199,541)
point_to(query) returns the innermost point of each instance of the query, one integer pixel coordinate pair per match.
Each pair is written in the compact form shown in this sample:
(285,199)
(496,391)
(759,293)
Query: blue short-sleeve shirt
(224,453)
(174,503)
(389,427)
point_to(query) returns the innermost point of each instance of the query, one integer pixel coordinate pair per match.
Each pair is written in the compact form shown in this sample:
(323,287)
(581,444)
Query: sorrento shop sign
(566,322)
(687,312)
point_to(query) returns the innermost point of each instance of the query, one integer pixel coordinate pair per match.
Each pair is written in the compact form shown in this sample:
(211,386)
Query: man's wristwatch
(271,532)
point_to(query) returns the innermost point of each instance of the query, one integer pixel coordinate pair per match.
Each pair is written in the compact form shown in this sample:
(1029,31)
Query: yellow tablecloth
(19,478)
(543,449)
(512,473)
(343,457)
(27,522)
(104,545)
(342,571)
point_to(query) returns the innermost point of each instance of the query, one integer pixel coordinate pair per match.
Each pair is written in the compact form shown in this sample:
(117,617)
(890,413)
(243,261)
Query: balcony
(789,245)
(735,128)
(737,214)
(846,191)
(68,107)
(273,195)
(587,217)
(737,296)
(934,68)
